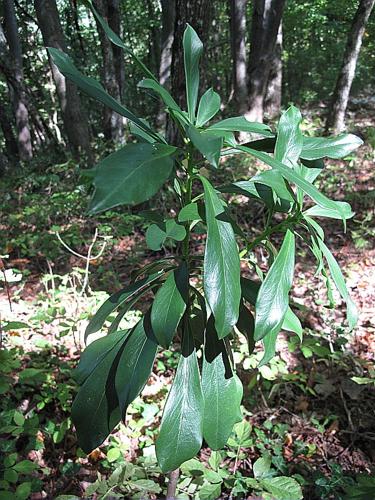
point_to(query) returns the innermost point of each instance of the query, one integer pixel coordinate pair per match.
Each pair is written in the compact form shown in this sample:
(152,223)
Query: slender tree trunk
(272,103)
(168,15)
(18,89)
(114,21)
(74,119)
(266,20)
(6,123)
(198,14)
(336,118)
(113,122)
(238,46)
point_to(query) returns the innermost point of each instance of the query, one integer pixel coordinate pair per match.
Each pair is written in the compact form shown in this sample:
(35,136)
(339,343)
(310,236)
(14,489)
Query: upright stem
(172,484)
(187,200)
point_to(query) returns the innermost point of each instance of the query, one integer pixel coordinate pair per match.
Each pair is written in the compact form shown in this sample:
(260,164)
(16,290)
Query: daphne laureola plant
(201,302)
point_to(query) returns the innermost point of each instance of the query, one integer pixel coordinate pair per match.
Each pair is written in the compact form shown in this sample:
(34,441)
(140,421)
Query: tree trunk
(238,47)
(336,118)
(272,103)
(18,90)
(198,14)
(168,15)
(11,145)
(74,119)
(113,122)
(266,20)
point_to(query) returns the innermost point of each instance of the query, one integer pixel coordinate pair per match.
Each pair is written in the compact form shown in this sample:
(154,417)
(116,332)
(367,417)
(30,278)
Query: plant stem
(172,484)
(187,200)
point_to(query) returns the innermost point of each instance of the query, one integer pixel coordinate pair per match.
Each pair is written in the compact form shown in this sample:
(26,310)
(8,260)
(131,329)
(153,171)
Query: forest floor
(310,411)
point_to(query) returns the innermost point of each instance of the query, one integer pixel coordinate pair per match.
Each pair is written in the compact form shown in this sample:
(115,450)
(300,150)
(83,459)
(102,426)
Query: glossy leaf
(169,305)
(93,88)
(222,392)
(317,211)
(117,299)
(289,140)
(150,84)
(292,176)
(208,146)
(135,364)
(241,124)
(221,265)
(193,48)
(245,325)
(250,291)
(273,296)
(329,147)
(94,354)
(181,430)
(95,410)
(338,278)
(209,105)
(120,177)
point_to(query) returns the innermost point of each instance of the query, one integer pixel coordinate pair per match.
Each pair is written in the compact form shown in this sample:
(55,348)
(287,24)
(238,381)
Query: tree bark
(6,123)
(74,119)
(113,122)
(198,14)
(266,20)
(336,118)
(18,88)
(168,15)
(238,48)
(272,103)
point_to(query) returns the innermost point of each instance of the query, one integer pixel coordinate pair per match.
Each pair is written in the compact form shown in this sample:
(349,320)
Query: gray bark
(266,20)
(238,46)
(272,103)
(17,86)
(168,15)
(74,119)
(336,118)
(113,122)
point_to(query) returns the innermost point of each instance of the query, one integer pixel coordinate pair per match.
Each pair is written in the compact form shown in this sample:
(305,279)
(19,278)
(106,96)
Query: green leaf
(222,392)
(193,48)
(23,491)
(283,488)
(113,454)
(221,265)
(245,325)
(95,410)
(94,354)
(209,105)
(135,363)
(93,88)
(317,211)
(120,177)
(181,427)
(272,299)
(116,40)
(262,466)
(289,140)
(209,146)
(240,124)
(210,491)
(169,305)
(329,147)
(25,467)
(338,278)
(292,323)
(157,234)
(189,213)
(117,299)
(292,176)
(148,83)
